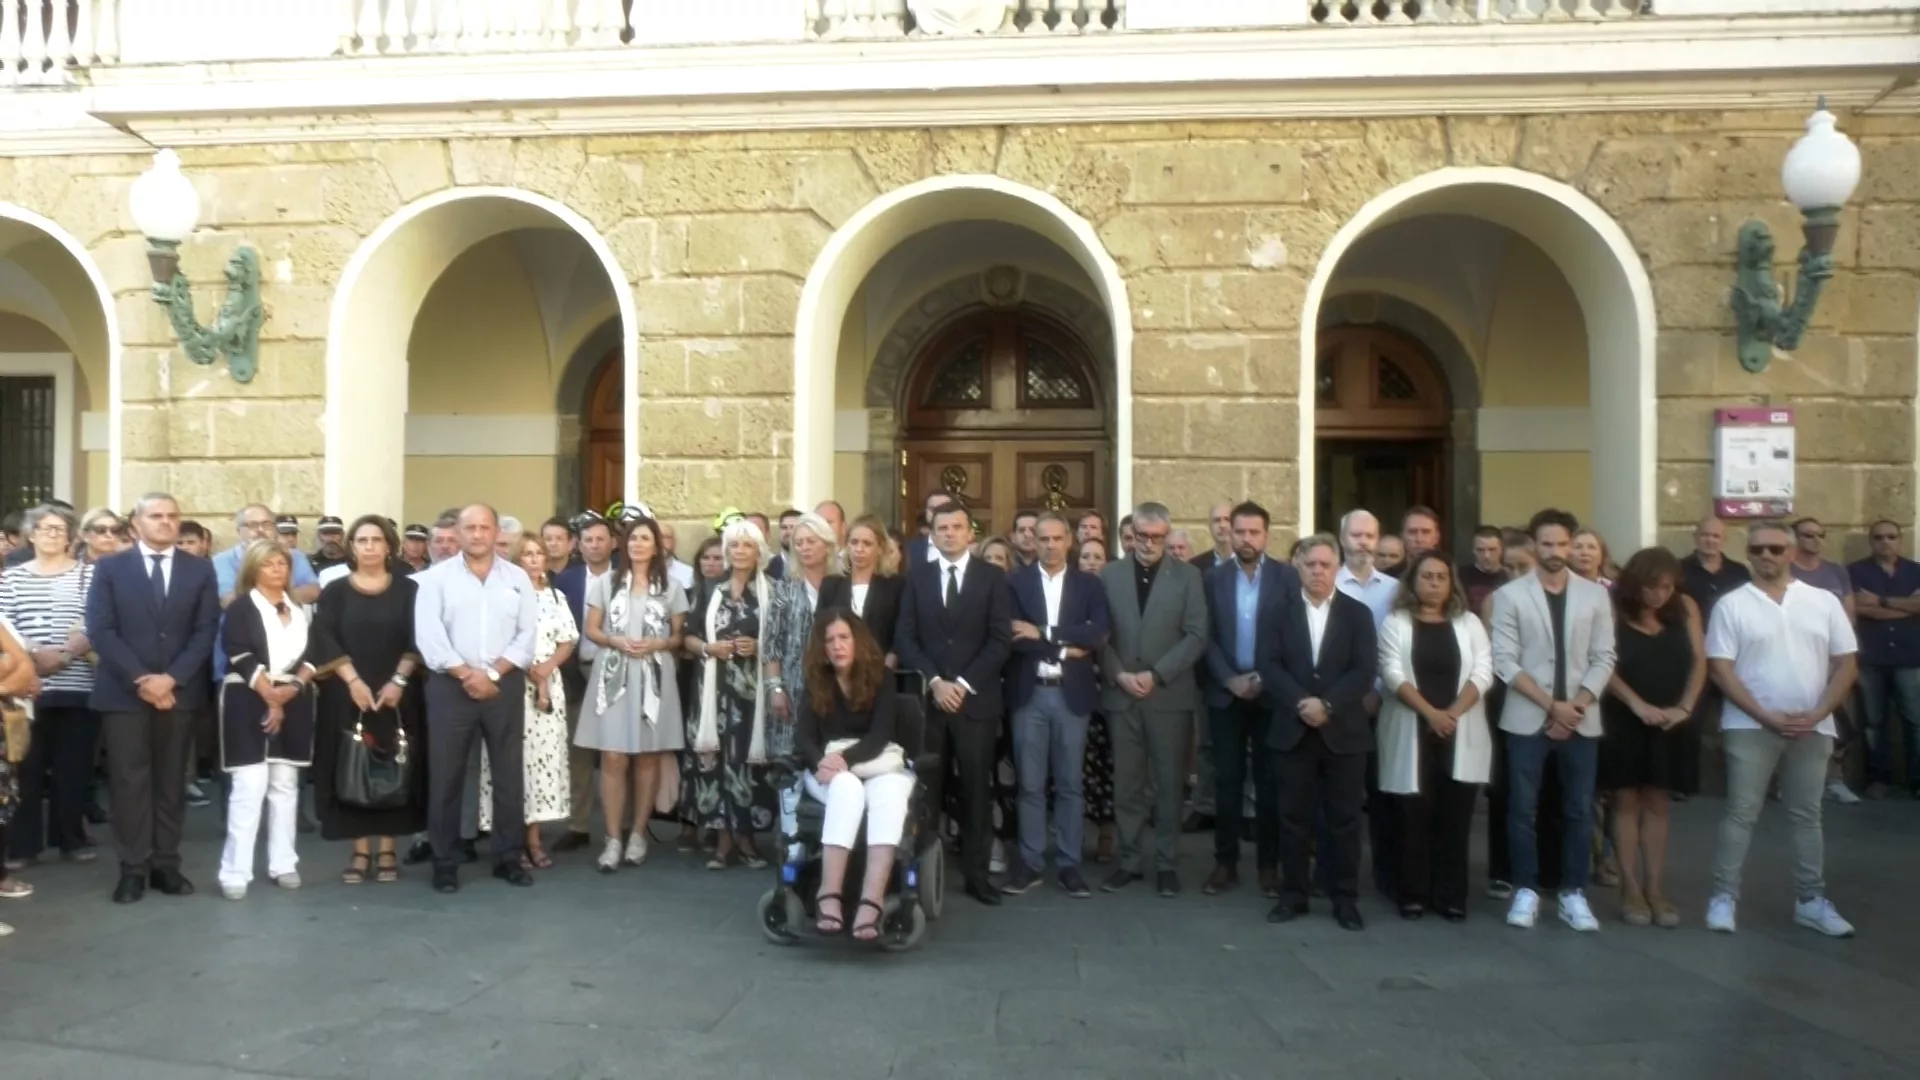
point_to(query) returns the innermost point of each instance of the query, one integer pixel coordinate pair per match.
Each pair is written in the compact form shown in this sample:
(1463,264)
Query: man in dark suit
(1158,607)
(152,614)
(1317,659)
(1059,623)
(1242,598)
(956,629)
(1205,781)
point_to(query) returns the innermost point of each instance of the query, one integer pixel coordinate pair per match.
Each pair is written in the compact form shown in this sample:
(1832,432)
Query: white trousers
(882,800)
(278,786)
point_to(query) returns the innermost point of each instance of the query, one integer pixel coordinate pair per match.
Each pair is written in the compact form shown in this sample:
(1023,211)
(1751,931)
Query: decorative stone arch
(927,317)
(66,455)
(371,322)
(1457,368)
(856,247)
(1616,299)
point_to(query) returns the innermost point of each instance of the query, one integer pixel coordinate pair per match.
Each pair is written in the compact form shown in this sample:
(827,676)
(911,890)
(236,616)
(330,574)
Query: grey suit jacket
(1523,641)
(1169,638)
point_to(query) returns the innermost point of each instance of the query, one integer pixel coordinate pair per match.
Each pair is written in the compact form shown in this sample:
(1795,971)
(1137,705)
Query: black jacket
(970,640)
(1349,657)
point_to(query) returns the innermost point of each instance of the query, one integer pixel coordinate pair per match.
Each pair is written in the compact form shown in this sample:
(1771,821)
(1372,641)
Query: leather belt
(1051,680)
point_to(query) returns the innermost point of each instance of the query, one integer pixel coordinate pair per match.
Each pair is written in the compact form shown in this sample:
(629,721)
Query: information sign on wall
(1753,462)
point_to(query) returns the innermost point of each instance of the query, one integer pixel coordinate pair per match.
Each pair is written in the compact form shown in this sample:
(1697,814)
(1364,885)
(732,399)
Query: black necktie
(953,585)
(159,580)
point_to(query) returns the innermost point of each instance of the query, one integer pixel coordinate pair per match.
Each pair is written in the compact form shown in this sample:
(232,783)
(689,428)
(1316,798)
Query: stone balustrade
(43,41)
(1404,12)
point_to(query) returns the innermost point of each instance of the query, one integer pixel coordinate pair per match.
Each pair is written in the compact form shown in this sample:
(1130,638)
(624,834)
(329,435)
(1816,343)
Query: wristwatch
(493,674)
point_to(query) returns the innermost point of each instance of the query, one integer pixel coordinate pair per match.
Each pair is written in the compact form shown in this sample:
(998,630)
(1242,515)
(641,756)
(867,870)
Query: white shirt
(1377,592)
(588,650)
(680,573)
(860,600)
(166,564)
(959,564)
(1051,586)
(1781,651)
(1316,622)
(286,643)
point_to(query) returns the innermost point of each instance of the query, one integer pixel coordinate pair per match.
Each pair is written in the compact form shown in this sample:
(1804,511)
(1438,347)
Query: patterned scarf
(707,739)
(613,675)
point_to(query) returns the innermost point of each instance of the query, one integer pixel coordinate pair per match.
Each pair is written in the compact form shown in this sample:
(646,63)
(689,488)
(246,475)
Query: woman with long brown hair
(845,740)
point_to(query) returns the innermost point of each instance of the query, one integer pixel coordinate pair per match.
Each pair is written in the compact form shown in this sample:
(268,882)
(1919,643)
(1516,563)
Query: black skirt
(243,738)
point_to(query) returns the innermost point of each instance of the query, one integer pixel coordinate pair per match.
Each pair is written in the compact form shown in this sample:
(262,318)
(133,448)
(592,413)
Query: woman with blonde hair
(871,588)
(266,718)
(790,624)
(728,731)
(1588,557)
(101,533)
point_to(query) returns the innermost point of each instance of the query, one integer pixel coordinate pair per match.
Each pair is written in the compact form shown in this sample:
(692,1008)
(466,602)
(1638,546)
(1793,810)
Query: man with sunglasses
(1782,652)
(1809,565)
(1885,587)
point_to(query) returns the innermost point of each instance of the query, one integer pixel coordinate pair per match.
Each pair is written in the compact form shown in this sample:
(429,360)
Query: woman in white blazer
(1434,743)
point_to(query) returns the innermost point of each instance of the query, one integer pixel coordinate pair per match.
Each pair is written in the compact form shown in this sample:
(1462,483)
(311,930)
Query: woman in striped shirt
(45,600)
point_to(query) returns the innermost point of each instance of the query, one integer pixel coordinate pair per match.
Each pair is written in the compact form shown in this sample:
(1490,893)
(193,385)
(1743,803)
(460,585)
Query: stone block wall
(1217,228)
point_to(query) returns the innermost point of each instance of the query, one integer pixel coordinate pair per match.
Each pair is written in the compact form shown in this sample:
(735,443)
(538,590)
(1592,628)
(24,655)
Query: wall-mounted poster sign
(1753,462)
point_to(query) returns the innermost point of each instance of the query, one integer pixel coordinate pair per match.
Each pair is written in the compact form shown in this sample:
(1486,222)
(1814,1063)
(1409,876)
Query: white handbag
(887,762)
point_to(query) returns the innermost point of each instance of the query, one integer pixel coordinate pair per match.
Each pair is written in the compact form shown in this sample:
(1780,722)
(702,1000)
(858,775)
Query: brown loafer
(1222,879)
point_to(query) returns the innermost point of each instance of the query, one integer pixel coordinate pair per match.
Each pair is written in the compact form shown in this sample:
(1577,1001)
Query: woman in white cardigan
(1434,744)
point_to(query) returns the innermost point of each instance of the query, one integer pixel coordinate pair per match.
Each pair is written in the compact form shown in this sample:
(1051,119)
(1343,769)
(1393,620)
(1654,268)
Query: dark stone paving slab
(662,972)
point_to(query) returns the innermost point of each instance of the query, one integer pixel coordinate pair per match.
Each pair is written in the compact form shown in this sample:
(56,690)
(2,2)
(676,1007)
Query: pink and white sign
(1753,462)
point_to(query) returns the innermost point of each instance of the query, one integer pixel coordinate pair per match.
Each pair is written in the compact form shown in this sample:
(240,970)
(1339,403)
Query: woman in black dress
(363,639)
(1650,749)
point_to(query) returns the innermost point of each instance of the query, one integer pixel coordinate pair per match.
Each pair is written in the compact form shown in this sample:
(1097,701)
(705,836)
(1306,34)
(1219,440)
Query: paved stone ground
(661,973)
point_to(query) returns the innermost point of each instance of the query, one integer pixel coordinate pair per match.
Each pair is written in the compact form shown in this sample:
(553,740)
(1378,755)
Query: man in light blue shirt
(1361,579)
(475,620)
(255,522)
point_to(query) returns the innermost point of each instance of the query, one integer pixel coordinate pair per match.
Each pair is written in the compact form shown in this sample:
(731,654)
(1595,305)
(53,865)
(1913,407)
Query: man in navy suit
(1059,624)
(1317,659)
(151,615)
(1243,597)
(956,629)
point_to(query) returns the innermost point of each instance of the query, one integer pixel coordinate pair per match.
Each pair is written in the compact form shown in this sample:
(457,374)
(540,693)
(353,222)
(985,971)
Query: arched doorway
(1002,411)
(603,436)
(1380,416)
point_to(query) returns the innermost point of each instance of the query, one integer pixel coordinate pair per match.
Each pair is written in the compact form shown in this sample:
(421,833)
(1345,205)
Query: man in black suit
(956,628)
(151,615)
(1317,659)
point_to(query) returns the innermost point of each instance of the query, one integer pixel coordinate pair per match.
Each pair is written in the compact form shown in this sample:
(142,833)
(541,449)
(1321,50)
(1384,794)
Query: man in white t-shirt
(1782,652)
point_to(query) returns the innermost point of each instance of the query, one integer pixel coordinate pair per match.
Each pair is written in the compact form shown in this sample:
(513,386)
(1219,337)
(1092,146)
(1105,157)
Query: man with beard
(331,550)
(413,548)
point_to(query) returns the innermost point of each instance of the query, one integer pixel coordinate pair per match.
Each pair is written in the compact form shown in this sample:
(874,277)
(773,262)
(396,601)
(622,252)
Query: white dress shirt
(166,564)
(286,642)
(1051,586)
(944,565)
(1316,622)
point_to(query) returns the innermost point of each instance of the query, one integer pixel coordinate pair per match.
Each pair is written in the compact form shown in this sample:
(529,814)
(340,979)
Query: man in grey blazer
(1158,608)
(1553,647)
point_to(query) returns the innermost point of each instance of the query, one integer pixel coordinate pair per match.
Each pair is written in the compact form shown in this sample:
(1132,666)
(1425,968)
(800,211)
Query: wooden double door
(1383,440)
(1003,413)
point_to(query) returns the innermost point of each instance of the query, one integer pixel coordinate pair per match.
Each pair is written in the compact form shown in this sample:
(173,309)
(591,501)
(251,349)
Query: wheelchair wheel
(780,915)
(932,869)
(901,939)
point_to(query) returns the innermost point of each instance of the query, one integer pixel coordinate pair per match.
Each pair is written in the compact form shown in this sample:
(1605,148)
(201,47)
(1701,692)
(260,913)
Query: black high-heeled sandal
(830,925)
(868,932)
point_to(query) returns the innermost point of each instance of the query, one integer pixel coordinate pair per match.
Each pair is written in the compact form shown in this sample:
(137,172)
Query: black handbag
(370,778)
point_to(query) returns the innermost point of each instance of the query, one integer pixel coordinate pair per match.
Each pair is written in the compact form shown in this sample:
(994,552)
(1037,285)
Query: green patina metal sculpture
(1762,323)
(235,332)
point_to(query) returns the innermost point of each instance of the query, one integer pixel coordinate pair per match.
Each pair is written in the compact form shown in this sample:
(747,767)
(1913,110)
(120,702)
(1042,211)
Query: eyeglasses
(1143,537)
(1766,549)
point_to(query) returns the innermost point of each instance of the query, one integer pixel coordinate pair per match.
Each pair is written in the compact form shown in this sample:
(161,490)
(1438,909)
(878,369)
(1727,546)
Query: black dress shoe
(131,888)
(419,852)
(1412,911)
(171,882)
(512,873)
(1347,914)
(1222,879)
(446,879)
(1454,914)
(984,892)
(1120,879)
(573,841)
(469,853)
(1168,883)
(1287,911)
(1197,822)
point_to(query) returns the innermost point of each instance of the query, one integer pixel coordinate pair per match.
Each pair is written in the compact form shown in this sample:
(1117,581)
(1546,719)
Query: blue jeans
(1579,759)
(1050,739)
(1880,688)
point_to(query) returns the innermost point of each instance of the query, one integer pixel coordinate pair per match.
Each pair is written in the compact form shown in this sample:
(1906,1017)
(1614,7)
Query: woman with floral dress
(729,728)
(544,793)
(632,713)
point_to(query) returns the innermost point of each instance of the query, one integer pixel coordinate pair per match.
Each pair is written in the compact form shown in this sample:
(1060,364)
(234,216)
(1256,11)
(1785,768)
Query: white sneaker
(1839,792)
(609,859)
(637,848)
(1819,914)
(1575,913)
(1720,912)
(288,881)
(5,929)
(234,892)
(1525,909)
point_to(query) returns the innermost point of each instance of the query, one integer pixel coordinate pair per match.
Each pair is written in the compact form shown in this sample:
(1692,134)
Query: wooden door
(1004,415)
(603,447)
(1381,427)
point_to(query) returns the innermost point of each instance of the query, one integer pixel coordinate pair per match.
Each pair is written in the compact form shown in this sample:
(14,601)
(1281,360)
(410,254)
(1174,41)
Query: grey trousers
(580,786)
(457,726)
(1203,774)
(1150,748)
(1752,757)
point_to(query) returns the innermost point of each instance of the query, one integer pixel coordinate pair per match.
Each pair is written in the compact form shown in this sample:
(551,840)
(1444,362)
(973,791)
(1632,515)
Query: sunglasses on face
(1766,549)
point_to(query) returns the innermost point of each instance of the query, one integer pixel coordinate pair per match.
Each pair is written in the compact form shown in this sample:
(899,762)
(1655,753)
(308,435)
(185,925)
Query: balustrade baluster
(399,28)
(9,45)
(1067,15)
(1397,13)
(835,14)
(106,31)
(1036,16)
(559,23)
(595,31)
(473,24)
(528,19)
(426,29)
(890,18)
(367,27)
(59,45)
(1584,10)
(33,44)
(83,53)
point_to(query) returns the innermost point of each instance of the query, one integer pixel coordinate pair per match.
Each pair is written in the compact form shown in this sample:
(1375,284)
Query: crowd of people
(430,686)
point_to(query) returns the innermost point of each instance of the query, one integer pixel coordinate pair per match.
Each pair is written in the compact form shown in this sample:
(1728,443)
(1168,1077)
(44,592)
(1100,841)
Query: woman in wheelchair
(845,741)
